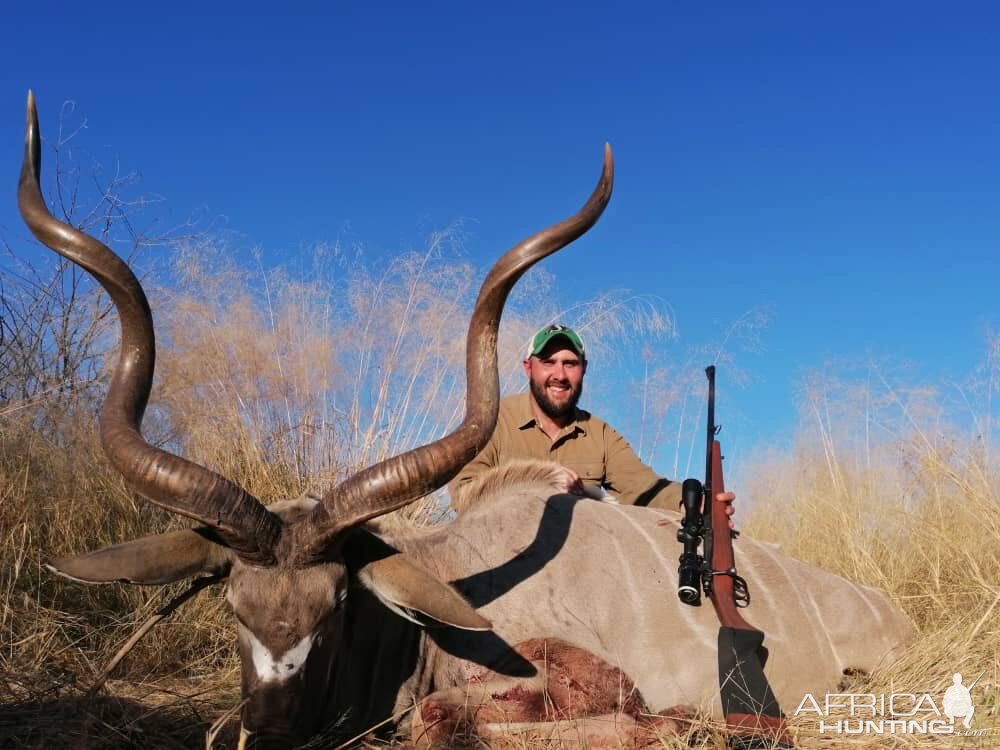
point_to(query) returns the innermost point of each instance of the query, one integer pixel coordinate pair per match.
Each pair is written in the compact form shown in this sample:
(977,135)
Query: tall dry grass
(896,486)
(287,382)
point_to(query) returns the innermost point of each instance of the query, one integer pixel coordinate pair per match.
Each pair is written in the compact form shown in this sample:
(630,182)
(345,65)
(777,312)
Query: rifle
(753,717)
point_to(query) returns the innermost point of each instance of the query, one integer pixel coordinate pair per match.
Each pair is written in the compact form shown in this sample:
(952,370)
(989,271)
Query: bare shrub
(56,325)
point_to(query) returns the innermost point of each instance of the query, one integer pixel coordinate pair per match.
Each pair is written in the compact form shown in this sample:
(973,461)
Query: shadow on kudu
(484,587)
(552,528)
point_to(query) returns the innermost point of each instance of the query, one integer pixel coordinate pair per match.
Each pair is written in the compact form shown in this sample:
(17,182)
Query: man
(545,423)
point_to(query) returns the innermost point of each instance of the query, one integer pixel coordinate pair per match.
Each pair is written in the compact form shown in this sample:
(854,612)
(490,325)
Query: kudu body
(326,605)
(602,576)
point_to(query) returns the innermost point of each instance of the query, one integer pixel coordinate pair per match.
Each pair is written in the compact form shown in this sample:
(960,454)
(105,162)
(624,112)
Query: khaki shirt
(589,446)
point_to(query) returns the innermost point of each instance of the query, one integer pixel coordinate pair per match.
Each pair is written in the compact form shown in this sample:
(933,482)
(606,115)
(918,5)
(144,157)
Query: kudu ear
(403,585)
(157,559)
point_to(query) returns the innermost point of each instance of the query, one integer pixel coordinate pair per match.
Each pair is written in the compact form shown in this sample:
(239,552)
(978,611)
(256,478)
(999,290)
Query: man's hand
(571,482)
(728,498)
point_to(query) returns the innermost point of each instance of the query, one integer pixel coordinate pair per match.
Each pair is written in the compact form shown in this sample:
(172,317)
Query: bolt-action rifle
(753,717)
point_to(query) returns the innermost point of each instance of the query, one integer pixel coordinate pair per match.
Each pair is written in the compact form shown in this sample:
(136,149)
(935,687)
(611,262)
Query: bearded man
(545,423)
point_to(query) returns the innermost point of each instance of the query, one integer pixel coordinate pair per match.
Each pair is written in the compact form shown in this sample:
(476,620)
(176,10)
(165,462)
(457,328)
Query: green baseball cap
(541,339)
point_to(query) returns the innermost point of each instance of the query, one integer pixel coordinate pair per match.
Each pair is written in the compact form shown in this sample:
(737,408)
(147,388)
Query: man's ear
(527,366)
(151,560)
(404,586)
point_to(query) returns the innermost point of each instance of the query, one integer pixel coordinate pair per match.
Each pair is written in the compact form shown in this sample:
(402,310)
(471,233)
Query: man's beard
(551,410)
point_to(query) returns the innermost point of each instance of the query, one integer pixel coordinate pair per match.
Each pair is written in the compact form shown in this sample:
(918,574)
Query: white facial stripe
(270,669)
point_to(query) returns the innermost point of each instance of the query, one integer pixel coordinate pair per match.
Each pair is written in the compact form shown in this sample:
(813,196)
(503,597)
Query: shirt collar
(526,417)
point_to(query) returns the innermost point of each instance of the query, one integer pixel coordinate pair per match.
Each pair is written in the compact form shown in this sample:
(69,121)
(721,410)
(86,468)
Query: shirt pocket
(590,472)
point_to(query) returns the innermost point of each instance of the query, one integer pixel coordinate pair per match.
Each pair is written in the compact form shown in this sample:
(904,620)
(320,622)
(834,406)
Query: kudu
(546,594)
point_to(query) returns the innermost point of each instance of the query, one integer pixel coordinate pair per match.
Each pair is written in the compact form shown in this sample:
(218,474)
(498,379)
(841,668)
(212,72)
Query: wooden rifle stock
(720,548)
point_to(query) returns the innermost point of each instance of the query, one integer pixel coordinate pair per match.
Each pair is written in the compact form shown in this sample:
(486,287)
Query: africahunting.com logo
(896,713)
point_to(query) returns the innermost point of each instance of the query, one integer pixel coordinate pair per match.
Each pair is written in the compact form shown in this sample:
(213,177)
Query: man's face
(556,378)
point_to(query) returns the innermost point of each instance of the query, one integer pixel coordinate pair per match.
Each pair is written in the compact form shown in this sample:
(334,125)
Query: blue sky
(838,163)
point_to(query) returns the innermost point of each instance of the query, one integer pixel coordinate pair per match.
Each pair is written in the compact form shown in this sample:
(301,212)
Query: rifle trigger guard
(741,591)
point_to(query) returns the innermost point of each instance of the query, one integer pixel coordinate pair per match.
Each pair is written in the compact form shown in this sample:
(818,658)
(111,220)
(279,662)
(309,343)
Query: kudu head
(288,566)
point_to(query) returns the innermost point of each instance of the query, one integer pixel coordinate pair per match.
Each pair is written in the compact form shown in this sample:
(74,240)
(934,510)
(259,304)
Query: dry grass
(56,637)
(883,487)
(286,385)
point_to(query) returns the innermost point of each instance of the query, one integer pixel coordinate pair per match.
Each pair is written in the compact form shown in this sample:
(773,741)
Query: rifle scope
(690,534)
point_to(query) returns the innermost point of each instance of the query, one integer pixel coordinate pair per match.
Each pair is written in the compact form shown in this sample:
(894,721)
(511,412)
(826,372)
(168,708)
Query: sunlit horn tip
(608,168)
(32,111)
(607,174)
(32,146)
